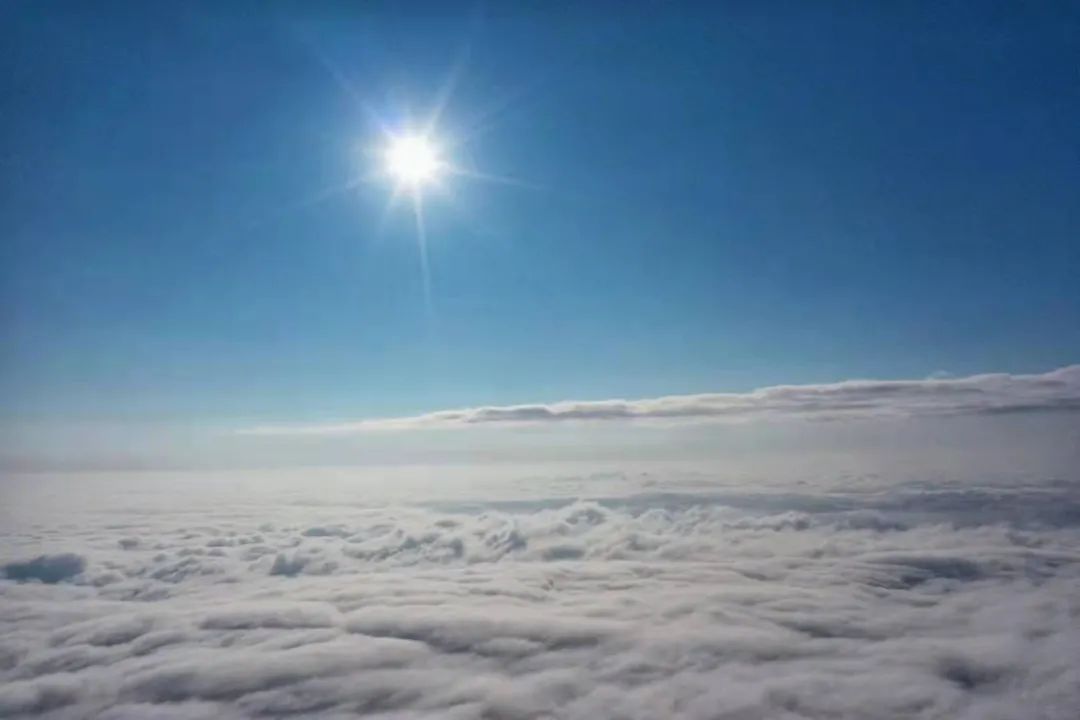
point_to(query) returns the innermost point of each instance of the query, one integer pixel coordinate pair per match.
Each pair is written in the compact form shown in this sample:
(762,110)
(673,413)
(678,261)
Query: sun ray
(421,241)
(316,198)
(446,90)
(488,177)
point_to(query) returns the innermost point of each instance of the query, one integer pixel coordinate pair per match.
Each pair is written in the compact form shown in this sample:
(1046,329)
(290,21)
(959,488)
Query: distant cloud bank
(1057,390)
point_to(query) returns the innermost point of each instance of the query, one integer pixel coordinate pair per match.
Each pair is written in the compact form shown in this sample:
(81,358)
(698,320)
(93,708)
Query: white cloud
(862,597)
(1058,390)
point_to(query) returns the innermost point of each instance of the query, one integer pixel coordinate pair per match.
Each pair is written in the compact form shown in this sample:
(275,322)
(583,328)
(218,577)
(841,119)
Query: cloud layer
(1058,390)
(857,598)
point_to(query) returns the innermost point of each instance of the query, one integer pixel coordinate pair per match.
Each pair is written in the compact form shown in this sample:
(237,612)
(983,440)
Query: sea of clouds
(638,595)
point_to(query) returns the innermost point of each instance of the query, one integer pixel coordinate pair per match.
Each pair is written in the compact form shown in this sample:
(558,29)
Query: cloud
(863,597)
(1057,390)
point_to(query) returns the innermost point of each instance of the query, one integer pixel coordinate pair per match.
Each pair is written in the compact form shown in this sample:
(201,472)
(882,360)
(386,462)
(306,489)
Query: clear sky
(710,200)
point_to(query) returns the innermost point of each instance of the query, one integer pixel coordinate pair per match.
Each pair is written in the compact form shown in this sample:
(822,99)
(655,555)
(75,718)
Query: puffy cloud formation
(651,597)
(1058,390)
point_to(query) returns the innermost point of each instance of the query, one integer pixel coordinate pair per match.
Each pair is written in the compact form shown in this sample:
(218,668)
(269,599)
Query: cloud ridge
(985,394)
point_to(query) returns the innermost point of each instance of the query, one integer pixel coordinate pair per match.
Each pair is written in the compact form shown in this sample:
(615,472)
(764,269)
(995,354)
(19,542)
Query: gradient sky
(710,200)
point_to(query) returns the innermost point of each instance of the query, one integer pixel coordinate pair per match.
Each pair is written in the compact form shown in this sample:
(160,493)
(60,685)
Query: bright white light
(412,159)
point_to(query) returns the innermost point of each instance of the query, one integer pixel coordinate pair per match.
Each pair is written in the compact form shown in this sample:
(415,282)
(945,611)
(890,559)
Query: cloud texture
(648,597)
(1055,391)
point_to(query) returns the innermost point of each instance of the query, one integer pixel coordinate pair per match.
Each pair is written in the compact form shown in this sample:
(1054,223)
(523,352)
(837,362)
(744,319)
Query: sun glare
(412,160)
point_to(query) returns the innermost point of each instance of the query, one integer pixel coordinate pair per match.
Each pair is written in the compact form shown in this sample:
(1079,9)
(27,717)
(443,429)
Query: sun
(413,160)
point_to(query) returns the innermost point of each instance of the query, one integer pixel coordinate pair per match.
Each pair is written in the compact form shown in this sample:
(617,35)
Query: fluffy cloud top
(1058,390)
(856,598)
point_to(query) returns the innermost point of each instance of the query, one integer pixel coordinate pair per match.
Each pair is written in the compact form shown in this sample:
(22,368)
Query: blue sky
(714,200)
